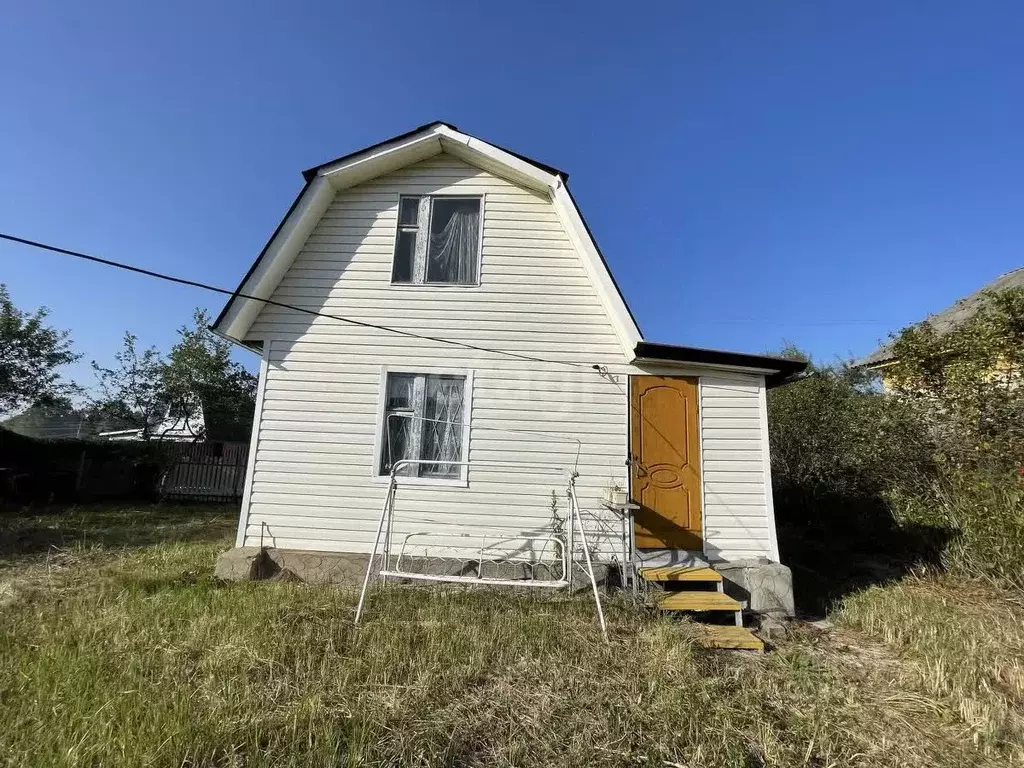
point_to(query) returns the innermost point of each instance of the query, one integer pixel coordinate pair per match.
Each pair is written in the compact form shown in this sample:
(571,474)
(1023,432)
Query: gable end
(323,182)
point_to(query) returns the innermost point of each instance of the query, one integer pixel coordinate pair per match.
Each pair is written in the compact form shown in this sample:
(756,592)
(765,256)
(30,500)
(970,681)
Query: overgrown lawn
(118,648)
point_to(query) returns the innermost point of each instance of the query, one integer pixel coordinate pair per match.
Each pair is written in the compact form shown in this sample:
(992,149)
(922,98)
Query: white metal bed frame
(382,544)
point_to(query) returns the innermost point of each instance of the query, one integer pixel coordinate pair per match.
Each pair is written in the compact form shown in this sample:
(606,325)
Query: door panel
(665,462)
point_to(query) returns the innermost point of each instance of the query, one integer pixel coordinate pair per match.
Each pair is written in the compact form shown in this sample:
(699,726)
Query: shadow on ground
(36,532)
(839,545)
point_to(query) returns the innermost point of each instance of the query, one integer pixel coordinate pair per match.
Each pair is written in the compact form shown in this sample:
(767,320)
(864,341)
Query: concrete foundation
(347,568)
(765,587)
(254,564)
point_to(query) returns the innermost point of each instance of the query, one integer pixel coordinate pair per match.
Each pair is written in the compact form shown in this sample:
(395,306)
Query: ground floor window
(424,418)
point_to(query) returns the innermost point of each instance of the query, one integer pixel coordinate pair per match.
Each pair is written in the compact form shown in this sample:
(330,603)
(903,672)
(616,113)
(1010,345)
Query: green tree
(835,434)
(132,390)
(198,377)
(31,355)
(967,385)
(931,469)
(199,370)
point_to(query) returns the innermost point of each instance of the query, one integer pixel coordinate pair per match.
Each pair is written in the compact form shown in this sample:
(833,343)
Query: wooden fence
(34,471)
(209,471)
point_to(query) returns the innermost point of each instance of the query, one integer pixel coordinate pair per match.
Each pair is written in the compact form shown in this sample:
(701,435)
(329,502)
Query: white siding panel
(313,481)
(314,484)
(736,524)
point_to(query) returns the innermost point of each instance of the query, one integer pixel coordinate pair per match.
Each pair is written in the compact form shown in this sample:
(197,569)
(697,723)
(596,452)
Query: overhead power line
(283,305)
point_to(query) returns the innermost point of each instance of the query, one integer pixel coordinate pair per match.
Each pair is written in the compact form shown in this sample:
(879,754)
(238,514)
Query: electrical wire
(283,305)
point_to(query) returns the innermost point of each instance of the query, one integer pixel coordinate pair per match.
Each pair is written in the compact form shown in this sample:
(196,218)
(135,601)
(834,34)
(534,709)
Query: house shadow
(836,545)
(666,530)
(132,527)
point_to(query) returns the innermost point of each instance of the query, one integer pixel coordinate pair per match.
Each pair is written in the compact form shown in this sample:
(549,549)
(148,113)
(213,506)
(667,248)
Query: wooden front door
(665,462)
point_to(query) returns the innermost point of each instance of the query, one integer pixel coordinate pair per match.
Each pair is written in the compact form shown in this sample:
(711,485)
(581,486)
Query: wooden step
(697,601)
(681,573)
(736,638)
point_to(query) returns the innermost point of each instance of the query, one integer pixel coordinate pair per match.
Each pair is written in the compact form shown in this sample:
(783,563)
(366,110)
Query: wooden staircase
(698,589)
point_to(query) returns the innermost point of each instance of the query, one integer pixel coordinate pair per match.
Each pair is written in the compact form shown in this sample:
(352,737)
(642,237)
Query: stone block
(765,587)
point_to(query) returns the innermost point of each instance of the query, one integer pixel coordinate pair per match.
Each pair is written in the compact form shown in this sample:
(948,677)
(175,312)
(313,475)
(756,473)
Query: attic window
(438,240)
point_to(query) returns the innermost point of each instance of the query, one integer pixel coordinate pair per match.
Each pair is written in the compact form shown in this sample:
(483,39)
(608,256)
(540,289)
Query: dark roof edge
(783,368)
(604,261)
(259,258)
(309,173)
(535,163)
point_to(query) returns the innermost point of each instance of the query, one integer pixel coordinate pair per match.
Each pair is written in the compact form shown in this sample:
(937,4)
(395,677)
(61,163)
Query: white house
(174,424)
(459,313)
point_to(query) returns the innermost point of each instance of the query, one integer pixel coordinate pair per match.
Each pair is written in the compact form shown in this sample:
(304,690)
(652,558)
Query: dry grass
(138,657)
(958,640)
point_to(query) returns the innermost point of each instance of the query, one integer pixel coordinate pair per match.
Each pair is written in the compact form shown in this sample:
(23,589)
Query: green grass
(118,648)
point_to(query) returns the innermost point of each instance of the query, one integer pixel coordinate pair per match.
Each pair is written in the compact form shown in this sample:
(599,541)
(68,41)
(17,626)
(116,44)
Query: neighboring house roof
(170,429)
(953,316)
(47,426)
(47,423)
(324,181)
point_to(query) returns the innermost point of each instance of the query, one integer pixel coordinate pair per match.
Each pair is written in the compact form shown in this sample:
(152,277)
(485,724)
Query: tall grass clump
(985,517)
(962,641)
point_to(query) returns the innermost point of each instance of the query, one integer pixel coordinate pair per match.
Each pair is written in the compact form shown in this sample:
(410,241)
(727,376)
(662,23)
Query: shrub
(838,446)
(967,385)
(834,433)
(935,462)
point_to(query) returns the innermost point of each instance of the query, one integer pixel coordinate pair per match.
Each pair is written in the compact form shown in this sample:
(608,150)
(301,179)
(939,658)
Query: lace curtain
(423,420)
(442,426)
(454,241)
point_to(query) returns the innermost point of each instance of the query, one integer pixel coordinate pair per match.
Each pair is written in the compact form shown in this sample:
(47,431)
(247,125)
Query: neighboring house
(948,319)
(46,422)
(439,235)
(176,424)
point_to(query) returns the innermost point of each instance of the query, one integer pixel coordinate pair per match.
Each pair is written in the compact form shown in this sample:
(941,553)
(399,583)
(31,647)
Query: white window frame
(462,481)
(482,197)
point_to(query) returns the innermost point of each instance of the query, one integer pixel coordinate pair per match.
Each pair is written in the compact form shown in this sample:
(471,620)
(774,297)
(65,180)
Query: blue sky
(817,172)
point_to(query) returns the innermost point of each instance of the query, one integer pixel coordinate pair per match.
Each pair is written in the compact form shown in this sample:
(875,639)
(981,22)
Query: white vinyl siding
(736,524)
(313,481)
